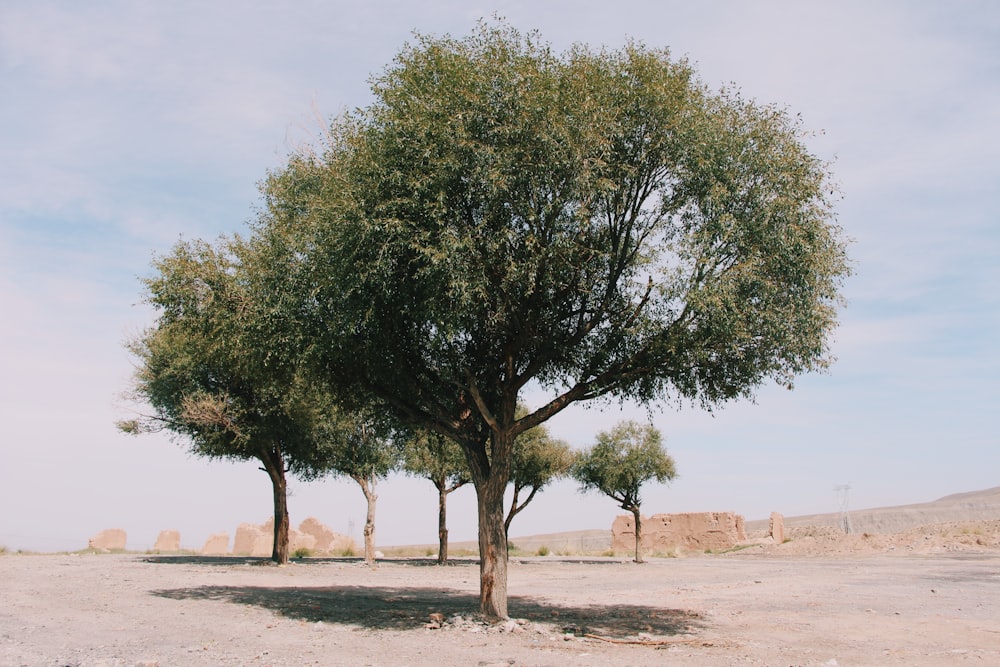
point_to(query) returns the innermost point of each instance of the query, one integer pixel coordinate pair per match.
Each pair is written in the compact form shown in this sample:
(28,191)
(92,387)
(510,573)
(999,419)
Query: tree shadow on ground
(183,559)
(188,559)
(409,608)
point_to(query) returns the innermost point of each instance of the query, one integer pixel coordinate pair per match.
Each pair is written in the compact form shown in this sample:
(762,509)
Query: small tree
(435,457)
(620,462)
(538,460)
(358,446)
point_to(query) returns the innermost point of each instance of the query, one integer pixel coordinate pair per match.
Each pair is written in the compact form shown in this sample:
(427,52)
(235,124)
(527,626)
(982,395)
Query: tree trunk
(489,465)
(638,535)
(512,511)
(368,488)
(515,509)
(492,550)
(442,524)
(274,466)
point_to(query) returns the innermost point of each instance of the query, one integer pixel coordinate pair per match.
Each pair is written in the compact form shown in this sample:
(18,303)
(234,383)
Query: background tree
(360,446)
(202,370)
(538,460)
(592,224)
(435,457)
(620,462)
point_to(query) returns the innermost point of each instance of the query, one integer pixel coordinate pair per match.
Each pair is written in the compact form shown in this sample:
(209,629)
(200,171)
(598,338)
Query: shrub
(543,550)
(301,552)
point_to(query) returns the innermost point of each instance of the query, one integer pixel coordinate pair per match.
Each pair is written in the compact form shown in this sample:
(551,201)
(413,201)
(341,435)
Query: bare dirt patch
(925,597)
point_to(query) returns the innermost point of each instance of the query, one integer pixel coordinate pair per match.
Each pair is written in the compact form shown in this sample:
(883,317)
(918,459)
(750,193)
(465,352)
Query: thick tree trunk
(492,550)
(274,466)
(442,524)
(489,464)
(638,535)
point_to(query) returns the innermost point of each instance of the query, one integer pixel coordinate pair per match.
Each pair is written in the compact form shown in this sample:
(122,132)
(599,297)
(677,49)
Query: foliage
(203,367)
(622,460)
(435,457)
(359,445)
(597,223)
(538,460)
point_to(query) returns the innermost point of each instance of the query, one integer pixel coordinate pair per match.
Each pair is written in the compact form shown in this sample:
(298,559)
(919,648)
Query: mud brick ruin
(696,531)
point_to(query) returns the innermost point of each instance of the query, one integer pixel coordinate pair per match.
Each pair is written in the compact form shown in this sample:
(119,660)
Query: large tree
(593,224)
(620,462)
(433,456)
(204,370)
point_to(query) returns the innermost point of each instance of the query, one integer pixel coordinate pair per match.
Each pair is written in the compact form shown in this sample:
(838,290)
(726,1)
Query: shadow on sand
(408,608)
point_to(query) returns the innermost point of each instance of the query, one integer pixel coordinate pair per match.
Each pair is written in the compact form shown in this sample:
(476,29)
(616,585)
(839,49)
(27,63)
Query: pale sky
(126,125)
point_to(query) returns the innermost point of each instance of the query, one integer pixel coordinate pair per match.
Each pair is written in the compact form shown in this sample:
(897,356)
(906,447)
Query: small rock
(511,626)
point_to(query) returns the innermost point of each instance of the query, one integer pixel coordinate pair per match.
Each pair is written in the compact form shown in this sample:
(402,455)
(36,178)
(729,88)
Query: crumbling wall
(112,539)
(696,531)
(252,540)
(312,535)
(168,541)
(217,544)
(327,540)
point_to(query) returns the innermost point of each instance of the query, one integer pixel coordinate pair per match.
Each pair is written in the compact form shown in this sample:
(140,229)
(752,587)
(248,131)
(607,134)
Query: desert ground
(929,595)
(913,585)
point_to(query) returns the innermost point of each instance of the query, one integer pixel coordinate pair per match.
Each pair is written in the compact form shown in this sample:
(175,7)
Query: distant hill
(972,506)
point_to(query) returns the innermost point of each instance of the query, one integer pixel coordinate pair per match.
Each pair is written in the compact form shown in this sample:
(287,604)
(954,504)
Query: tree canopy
(594,223)
(538,460)
(622,460)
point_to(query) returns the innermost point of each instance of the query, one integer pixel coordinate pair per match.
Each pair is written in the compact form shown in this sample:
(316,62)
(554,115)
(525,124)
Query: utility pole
(843,490)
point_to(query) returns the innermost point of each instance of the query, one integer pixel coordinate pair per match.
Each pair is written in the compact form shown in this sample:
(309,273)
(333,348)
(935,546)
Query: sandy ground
(848,601)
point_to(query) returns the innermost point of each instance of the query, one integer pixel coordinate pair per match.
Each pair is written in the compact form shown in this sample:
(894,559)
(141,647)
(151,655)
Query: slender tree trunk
(512,511)
(442,523)
(492,550)
(274,466)
(638,535)
(368,488)
(515,509)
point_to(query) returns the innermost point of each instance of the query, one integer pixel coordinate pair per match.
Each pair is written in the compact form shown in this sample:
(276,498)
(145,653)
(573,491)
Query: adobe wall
(693,530)
(112,539)
(258,540)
